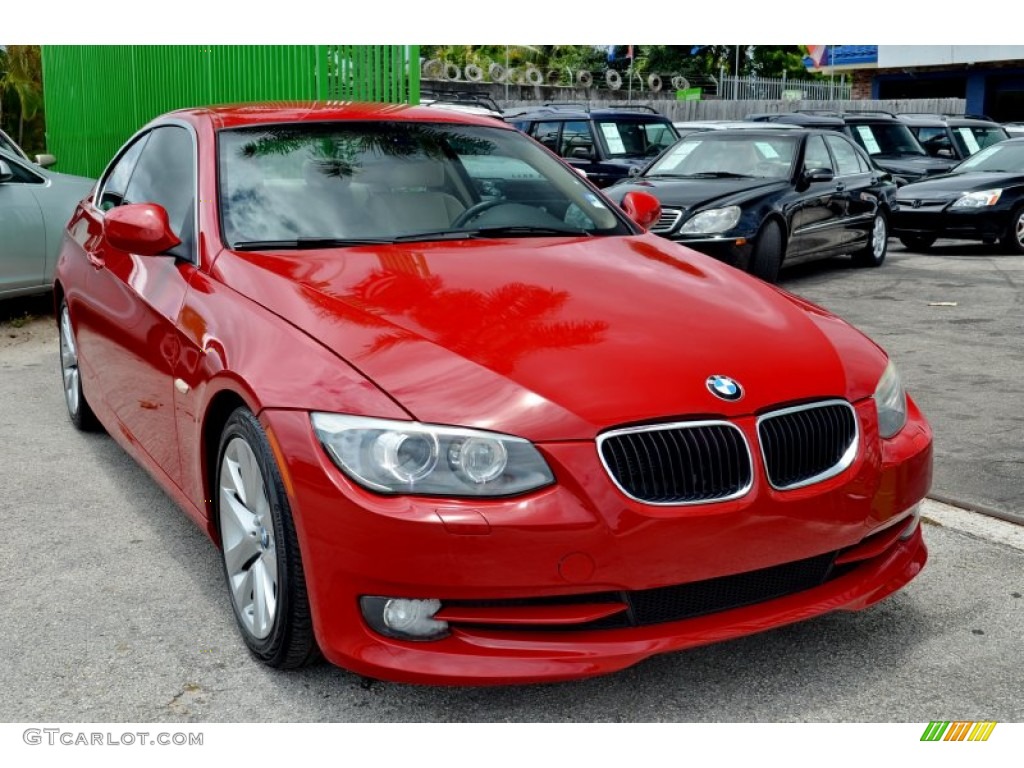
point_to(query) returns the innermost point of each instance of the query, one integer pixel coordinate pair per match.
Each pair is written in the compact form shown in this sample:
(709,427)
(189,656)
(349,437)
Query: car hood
(951,185)
(916,166)
(556,339)
(690,193)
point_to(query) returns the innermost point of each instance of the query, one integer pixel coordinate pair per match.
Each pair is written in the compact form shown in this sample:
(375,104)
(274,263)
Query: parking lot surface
(953,320)
(115,608)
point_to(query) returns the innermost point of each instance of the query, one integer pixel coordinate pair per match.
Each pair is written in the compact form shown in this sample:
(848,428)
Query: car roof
(826,117)
(261,113)
(574,111)
(721,125)
(937,119)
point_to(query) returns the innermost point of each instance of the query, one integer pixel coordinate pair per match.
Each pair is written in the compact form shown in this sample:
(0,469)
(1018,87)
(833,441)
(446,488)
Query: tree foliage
(690,60)
(21,95)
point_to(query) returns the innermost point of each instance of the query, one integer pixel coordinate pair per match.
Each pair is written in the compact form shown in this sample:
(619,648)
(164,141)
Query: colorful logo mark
(958,731)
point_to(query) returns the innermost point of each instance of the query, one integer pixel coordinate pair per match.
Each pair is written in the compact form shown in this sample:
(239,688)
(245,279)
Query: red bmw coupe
(452,416)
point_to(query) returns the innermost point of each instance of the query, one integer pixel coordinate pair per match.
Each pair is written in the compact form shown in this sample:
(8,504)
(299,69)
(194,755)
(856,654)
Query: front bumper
(989,224)
(583,538)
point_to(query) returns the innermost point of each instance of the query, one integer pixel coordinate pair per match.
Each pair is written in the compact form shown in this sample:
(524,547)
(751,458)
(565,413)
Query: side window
(845,155)
(113,186)
(547,134)
(816,155)
(576,140)
(165,175)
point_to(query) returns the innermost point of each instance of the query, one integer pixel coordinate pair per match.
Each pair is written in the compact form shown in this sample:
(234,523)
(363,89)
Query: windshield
(636,138)
(333,184)
(1001,157)
(973,138)
(712,154)
(886,139)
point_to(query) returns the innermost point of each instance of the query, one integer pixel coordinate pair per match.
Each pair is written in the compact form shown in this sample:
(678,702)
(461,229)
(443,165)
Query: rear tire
(918,243)
(1013,240)
(873,254)
(259,548)
(766,260)
(79,411)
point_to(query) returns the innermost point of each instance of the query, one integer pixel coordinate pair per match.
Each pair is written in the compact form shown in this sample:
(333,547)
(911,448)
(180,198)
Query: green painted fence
(99,95)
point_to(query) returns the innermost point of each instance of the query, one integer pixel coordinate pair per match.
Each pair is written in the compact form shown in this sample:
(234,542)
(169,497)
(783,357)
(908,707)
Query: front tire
(873,254)
(79,411)
(259,548)
(766,260)
(1013,240)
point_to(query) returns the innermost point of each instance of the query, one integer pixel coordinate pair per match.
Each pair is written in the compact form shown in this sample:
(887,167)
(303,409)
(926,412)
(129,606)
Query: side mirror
(642,207)
(6,174)
(141,228)
(45,161)
(812,175)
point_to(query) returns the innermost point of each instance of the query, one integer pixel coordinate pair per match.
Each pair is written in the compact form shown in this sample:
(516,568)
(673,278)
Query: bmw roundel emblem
(724,387)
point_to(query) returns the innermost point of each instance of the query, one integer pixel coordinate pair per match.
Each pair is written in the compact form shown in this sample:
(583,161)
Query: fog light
(912,523)
(402,618)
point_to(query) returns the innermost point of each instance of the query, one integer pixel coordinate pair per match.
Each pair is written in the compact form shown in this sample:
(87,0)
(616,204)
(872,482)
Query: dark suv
(604,143)
(888,140)
(953,136)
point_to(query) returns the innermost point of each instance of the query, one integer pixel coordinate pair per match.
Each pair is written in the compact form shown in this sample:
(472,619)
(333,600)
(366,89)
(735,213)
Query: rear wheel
(260,551)
(79,412)
(917,242)
(1013,240)
(766,259)
(873,254)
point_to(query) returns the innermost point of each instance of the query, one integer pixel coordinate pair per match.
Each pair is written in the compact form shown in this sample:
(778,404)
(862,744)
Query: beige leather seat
(405,196)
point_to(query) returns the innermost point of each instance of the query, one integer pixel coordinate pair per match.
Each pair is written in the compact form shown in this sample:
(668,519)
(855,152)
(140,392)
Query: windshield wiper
(527,230)
(717,175)
(307,243)
(511,230)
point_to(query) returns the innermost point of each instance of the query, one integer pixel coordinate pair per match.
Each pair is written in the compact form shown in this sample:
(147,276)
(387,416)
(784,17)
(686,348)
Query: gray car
(35,205)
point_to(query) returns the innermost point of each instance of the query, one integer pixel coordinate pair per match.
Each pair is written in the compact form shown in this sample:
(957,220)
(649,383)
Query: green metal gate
(99,95)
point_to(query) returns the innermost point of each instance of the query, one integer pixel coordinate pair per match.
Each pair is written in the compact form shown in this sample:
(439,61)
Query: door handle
(95,260)
(840,187)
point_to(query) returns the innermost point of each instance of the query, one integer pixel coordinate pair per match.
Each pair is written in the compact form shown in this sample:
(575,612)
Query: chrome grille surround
(668,220)
(744,479)
(844,446)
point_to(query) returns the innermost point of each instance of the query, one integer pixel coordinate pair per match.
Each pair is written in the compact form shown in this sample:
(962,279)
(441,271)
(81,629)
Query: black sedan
(980,199)
(759,199)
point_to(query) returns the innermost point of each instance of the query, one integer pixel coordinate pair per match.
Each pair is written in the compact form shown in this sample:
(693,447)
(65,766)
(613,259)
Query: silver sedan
(35,205)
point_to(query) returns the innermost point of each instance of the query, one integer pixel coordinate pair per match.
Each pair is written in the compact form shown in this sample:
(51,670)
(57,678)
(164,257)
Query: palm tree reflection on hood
(495,328)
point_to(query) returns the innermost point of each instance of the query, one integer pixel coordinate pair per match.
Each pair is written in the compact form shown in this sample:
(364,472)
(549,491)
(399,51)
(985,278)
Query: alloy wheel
(69,363)
(247,533)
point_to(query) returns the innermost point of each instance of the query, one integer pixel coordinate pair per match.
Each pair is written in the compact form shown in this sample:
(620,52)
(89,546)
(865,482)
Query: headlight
(425,459)
(978,199)
(712,222)
(891,402)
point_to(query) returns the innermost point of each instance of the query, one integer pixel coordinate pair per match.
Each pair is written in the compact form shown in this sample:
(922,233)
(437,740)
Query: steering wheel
(475,210)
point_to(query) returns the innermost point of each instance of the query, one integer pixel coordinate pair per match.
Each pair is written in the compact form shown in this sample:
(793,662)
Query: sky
(866,22)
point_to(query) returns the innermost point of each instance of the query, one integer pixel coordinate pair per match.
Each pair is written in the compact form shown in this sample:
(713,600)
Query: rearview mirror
(642,207)
(141,228)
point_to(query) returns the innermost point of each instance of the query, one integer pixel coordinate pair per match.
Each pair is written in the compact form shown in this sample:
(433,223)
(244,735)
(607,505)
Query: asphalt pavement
(953,320)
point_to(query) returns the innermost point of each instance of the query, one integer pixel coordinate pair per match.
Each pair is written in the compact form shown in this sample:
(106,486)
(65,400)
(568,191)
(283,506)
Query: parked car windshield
(973,138)
(997,158)
(636,138)
(306,185)
(886,139)
(709,153)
